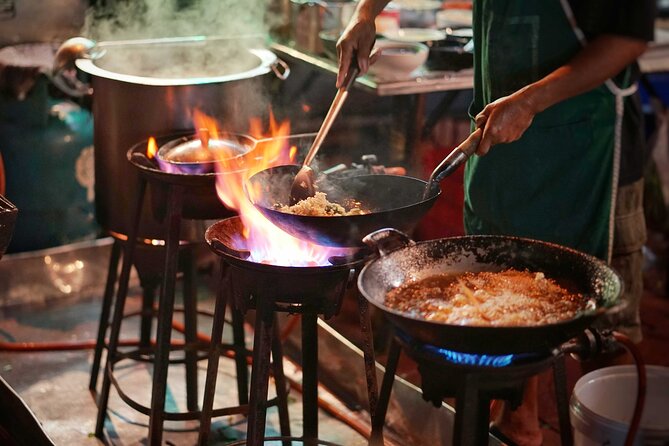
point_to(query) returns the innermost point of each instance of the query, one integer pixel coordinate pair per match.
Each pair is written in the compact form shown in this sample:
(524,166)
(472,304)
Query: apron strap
(620,94)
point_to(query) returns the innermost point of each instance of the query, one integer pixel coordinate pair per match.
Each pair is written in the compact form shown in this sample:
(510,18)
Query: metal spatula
(454,159)
(303,185)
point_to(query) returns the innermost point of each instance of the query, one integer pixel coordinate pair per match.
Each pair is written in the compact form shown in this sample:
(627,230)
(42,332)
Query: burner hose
(641,385)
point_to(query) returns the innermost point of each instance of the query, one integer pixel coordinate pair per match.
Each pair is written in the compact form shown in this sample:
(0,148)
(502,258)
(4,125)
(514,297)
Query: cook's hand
(358,38)
(504,120)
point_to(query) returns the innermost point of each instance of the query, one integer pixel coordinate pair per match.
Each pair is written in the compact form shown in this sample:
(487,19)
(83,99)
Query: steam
(231,27)
(145,19)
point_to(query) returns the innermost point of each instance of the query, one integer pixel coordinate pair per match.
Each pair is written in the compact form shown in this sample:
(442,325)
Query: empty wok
(403,260)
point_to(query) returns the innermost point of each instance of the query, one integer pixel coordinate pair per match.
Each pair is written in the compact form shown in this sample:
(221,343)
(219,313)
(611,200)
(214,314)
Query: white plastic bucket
(603,402)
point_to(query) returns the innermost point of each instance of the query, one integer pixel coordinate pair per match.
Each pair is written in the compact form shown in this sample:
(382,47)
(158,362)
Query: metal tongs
(303,185)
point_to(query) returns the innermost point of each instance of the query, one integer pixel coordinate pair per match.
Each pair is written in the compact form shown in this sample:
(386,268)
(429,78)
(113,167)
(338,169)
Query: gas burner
(311,291)
(200,199)
(473,380)
(199,153)
(466,359)
(322,286)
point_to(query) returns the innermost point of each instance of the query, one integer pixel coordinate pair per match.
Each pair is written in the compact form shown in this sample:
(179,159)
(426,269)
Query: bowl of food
(397,60)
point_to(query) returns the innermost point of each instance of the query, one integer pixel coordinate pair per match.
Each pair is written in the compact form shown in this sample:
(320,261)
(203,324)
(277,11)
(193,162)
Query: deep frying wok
(394,201)
(402,260)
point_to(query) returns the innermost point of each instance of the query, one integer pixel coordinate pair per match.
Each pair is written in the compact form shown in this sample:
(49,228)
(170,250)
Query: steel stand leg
(241,365)
(165,312)
(262,341)
(310,377)
(562,400)
(472,414)
(368,354)
(119,305)
(146,318)
(214,355)
(190,326)
(104,314)
(379,417)
(280,383)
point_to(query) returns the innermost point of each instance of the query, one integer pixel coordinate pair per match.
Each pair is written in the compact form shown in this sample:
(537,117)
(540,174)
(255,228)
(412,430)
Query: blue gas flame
(472,358)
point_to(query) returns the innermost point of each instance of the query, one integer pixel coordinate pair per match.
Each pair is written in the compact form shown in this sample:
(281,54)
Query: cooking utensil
(452,161)
(303,185)
(392,201)
(402,260)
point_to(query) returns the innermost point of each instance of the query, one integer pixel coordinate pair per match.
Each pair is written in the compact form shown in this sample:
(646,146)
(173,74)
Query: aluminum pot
(146,88)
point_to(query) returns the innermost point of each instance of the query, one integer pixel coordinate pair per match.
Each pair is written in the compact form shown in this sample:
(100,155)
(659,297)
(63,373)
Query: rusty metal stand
(266,341)
(473,388)
(160,354)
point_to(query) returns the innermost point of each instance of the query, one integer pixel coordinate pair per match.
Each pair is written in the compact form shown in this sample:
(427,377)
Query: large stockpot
(149,88)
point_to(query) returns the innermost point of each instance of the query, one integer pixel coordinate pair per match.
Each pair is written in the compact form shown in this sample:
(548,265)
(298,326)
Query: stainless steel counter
(423,81)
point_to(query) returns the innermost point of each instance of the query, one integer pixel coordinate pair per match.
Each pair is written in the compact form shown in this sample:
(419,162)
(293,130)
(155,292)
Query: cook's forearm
(601,59)
(369,9)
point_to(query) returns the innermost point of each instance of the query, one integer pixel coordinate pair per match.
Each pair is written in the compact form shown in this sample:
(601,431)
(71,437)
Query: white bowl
(415,35)
(397,60)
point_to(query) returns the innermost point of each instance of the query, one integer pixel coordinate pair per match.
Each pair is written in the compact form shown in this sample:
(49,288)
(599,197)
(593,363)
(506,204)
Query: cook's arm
(358,37)
(506,119)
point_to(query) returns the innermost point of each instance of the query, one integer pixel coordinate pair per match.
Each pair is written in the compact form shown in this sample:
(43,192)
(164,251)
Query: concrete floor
(42,303)
(55,384)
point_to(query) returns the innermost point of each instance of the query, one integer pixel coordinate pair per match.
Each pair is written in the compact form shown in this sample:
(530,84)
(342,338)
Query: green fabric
(554,183)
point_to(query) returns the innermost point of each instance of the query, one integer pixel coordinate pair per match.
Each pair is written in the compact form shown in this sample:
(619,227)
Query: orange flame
(151,148)
(266,242)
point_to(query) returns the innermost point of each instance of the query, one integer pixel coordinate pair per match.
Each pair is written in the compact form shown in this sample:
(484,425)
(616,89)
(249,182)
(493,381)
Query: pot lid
(176,61)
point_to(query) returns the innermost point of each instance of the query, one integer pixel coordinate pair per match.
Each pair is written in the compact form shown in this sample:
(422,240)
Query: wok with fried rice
(385,201)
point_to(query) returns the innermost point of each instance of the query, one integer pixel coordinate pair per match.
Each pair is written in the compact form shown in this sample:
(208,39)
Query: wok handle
(387,240)
(280,69)
(454,159)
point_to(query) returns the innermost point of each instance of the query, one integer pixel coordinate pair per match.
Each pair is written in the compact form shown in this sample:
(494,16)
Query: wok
(394,201)
(391,200)
(402,260)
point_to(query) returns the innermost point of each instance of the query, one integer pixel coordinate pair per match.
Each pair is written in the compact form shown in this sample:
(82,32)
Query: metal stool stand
(266,334)
(473,390)
(149,282)
(161,359)
(269,289)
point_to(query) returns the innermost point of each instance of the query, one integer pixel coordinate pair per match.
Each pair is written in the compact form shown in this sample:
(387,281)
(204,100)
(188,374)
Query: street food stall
(243,260)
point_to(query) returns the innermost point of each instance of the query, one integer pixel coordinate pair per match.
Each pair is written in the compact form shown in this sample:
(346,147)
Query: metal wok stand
(175,188)
(269,290)
(473,388)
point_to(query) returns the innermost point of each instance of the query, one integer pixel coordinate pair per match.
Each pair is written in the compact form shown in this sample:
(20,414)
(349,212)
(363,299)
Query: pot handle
(387,240)
(64,71)
(283,75)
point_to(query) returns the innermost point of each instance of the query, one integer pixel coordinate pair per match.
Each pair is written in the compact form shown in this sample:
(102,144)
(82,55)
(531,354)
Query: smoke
(231,27)
(142,19)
